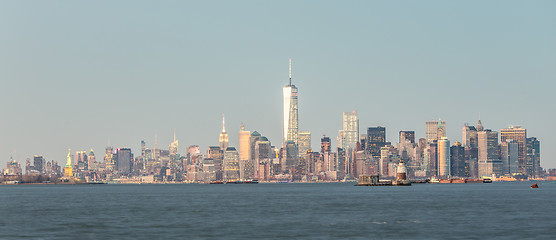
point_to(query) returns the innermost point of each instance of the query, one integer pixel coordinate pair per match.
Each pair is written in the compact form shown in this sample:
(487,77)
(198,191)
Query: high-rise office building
(38,162)
(123,156)
(349,135)
(469,136)
(109,159)
(217,155)
(325,144)
(263,156)
(223,138)
(290,156)
(91,160)
(290,111)
(81,160)
(457,160)
(173,148)
(509,154)
(376,139)
(407,136)
(231,164)
(435,130)
(304,143)
(246,163)
(489,161)
(444,158)
(255,136)
(430,158)
(533,158)
(244,143)
(519,135)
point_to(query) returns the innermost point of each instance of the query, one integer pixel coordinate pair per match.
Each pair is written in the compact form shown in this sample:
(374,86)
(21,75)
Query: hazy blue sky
(78,74)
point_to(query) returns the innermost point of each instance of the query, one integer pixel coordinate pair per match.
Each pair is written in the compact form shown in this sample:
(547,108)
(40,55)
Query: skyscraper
(244,143)
(290,156)
(519,135)
(533,158)
(174,146)
(509,154)
(109,160)
(124,156)
(231,164)
(489,162)
(38,162)
(91,161)
(376,138)
(435,130)
(290,111)
(457,160)
(469,136)
(325,144)
(304,143)
(444,158)
(81,160)
(223,139)
(246,165)
(407,136)
(349,135)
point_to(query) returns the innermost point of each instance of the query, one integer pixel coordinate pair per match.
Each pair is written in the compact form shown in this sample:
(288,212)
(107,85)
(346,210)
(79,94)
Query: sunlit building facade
(304,143)
(435,130)
(444,168)
(231,164)
(519,135)
(291,128)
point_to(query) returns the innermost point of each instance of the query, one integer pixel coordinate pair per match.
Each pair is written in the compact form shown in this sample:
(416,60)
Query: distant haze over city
(84,75)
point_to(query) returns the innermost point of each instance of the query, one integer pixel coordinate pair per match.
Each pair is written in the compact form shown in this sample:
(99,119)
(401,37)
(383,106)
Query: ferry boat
(445,181)
(458,180)
(473,180)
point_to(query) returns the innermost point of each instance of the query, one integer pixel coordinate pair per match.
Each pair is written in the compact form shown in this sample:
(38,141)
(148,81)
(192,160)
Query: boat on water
(535,186)
(96,182)
(473,180)
(235,182)
(487,180)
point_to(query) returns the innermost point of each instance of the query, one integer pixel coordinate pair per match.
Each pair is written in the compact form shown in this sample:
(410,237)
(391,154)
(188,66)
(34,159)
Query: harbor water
(500,210)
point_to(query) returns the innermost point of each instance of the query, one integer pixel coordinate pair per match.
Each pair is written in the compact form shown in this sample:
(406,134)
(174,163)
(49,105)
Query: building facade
(291,128)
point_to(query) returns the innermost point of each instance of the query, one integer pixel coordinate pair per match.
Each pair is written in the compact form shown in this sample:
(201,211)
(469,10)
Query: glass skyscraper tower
(291,129)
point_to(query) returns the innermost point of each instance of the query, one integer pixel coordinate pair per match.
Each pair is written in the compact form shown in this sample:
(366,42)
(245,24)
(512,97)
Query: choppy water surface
(299,211)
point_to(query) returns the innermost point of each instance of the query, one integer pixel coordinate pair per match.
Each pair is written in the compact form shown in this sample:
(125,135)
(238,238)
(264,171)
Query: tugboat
(535,186)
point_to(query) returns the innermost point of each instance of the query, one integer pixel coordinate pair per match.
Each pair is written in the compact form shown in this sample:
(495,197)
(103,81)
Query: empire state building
(290,111)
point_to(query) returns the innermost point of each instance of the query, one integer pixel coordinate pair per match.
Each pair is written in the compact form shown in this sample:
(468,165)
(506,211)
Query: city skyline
(90,99)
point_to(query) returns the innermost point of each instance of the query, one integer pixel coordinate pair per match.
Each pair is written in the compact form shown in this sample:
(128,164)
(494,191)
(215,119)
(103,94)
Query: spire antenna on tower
(223,123)
(290,71)
(155,140)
